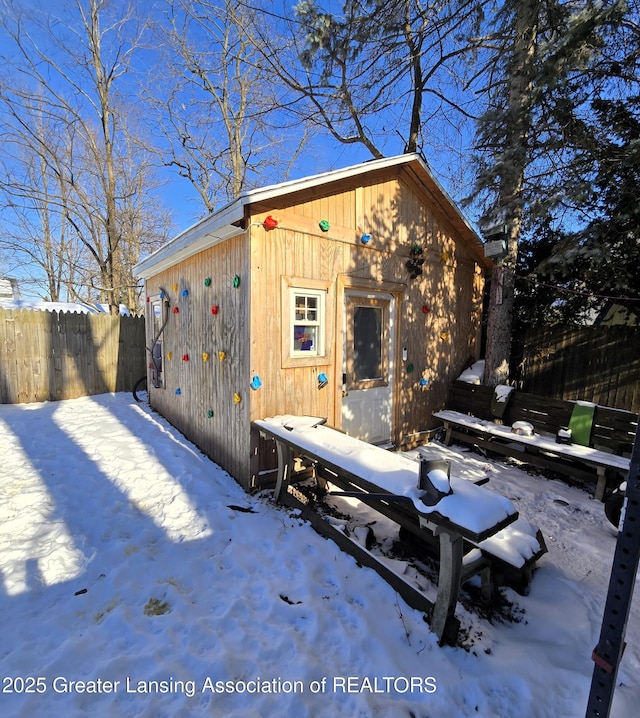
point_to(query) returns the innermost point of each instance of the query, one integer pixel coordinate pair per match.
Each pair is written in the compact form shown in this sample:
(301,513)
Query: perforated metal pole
(608,653)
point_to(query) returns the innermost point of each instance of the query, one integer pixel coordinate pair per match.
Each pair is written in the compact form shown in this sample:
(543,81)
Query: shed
(355,295)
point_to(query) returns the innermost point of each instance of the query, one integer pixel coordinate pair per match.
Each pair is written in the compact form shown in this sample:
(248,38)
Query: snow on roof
(71,307)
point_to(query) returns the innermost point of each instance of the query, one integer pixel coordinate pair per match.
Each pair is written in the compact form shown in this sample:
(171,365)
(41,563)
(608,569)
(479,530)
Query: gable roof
(228,221)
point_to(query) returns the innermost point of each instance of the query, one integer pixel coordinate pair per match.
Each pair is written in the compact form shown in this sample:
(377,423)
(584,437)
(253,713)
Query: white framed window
(306,325)
(307,322)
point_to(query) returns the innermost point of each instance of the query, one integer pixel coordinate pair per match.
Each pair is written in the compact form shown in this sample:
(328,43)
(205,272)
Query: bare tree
(70,74)
(382,74)
(35,232)
(217,110)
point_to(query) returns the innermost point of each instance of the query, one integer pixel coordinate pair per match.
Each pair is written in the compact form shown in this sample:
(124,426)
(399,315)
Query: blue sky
(321,154)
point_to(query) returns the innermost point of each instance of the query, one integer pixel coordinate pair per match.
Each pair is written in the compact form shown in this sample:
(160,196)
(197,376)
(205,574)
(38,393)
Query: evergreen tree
(532,173)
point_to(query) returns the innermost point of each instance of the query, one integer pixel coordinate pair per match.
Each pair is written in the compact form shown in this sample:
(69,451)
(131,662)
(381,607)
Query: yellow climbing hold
(222,356)
(237,398)
(205,356)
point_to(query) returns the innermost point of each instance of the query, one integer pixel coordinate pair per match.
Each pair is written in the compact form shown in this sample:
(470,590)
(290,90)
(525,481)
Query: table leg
(284,469)
(602,483)
(443,621)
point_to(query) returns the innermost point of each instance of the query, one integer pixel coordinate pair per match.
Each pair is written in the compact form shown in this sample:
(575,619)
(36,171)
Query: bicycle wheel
(140,389)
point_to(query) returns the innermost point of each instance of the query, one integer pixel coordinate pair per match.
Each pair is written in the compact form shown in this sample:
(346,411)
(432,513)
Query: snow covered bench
(473,526)
(599,447)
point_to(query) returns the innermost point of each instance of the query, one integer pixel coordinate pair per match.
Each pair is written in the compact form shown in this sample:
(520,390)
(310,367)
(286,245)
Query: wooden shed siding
(209,384)
(395,216)
(397,211)
(276,254)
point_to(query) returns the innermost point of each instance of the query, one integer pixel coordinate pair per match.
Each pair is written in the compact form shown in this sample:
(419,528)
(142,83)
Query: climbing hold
(169,356)
(256,383)
(444,336)
(148,299)
(415,262)
(365,238)
(175,310)
(424,382)
(324,225)
(175,287)
(209,414)
(236,281)
(322,380)
(207,281)
(185,357)
(205,356)
(445,256)
(426,309)
(162,295)
(215,309)
(270,223)
(185,292)
(222,356)
(178,392)
(237,398)
(410,368)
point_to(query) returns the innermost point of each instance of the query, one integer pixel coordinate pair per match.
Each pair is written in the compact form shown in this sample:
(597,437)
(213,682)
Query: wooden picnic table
(388,482)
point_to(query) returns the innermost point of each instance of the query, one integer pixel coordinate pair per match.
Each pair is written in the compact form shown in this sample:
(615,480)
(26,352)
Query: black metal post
(608,653)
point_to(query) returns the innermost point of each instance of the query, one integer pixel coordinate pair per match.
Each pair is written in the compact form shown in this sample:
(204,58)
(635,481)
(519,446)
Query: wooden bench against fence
(598,451)
(477,532)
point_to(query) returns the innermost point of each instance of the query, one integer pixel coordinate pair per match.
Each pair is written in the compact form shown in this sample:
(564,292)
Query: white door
(368,351)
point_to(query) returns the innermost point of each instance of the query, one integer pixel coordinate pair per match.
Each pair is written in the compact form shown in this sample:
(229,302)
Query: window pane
(304,339)
(367,343)
(156,308)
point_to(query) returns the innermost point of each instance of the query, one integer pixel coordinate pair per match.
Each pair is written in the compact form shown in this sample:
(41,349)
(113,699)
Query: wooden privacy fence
(598,364)
(47,356)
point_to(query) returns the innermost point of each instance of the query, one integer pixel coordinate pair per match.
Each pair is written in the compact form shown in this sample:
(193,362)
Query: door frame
(347,283)
(382,302)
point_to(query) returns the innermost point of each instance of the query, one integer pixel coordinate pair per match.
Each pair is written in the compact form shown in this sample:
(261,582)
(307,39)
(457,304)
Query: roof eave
(206,233)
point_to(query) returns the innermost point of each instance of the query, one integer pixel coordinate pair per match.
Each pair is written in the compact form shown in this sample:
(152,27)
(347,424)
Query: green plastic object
(581,423)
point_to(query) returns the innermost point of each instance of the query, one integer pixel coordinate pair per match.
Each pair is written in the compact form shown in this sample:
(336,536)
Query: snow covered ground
(132,584)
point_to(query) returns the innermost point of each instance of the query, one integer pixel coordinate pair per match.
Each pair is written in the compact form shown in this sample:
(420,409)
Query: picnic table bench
(471,524)
(599,450)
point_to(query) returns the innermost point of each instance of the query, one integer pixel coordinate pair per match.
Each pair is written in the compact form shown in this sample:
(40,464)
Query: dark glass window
(367,343)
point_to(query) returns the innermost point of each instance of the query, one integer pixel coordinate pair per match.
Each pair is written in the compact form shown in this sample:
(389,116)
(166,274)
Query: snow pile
(502,393)
(138,579)
(474,374)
